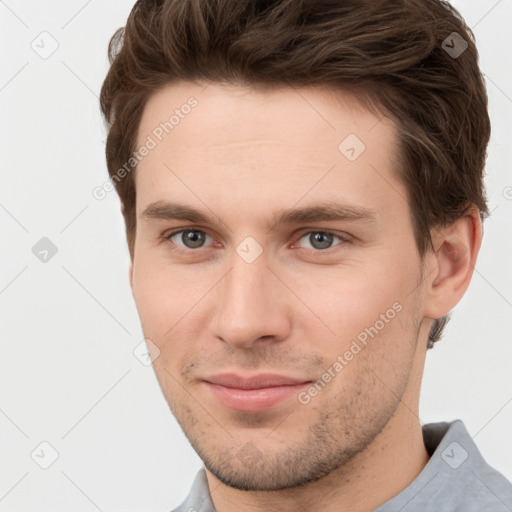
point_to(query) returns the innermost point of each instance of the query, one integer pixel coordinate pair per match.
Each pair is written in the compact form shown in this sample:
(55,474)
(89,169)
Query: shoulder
(456,479)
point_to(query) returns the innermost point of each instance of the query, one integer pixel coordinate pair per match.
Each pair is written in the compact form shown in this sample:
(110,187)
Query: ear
(450,266)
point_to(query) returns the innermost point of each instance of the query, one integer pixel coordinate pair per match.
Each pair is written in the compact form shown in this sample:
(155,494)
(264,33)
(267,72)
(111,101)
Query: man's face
(336,302)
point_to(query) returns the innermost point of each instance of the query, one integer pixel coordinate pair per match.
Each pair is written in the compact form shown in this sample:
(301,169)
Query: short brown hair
(415,59)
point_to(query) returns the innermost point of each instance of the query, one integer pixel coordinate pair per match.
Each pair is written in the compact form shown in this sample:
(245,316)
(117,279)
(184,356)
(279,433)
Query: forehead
(223,113)
(274,143)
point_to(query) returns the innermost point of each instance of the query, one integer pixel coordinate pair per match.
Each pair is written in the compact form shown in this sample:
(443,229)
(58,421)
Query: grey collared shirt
(455,479)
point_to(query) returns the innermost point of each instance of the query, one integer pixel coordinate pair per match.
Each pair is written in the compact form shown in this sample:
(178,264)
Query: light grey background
(69,326)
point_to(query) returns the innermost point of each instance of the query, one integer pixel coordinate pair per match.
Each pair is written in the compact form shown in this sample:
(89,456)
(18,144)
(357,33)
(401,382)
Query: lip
(253,394)
(262,380)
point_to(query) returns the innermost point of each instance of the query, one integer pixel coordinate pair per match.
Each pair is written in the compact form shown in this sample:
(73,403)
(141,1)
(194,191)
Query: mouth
(254,394)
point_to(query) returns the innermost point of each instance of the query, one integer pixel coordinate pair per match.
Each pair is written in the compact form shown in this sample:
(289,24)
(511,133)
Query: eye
(318,241)
(189,238)
(322,240)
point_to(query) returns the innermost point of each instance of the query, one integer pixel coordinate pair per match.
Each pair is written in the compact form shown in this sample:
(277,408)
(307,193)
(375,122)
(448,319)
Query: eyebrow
(328,211)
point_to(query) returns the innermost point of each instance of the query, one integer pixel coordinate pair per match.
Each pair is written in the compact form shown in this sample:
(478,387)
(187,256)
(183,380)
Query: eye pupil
(192,239)
(324,240)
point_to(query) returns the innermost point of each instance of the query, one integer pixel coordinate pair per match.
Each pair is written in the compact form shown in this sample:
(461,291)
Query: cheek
(172,304)
(162,293)
(157,298)
(365,301)
(150,296)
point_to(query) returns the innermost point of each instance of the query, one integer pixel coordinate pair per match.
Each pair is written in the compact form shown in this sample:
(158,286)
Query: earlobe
(455,252)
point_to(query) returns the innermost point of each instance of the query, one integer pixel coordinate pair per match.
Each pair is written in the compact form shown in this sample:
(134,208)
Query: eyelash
(344,239)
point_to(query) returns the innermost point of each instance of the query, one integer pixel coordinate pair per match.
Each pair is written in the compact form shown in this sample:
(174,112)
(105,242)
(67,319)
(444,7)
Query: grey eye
(190,238)
(320,240)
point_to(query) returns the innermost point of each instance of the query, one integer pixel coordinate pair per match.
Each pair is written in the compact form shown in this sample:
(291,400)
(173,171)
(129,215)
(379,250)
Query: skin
(240,156)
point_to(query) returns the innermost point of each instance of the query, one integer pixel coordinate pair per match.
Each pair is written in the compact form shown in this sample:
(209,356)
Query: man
(302,186)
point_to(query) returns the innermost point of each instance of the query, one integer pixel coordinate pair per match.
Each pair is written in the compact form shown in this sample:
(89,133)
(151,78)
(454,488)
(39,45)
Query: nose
(252,307)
